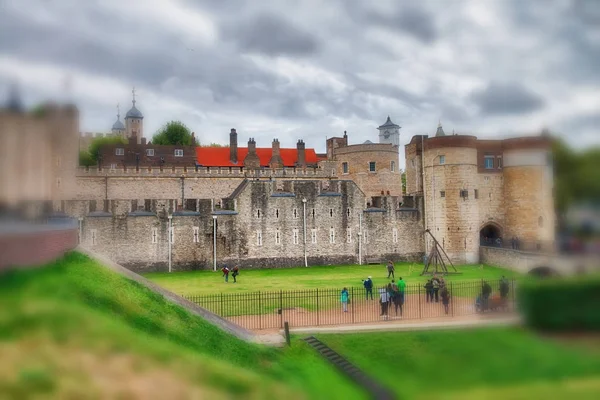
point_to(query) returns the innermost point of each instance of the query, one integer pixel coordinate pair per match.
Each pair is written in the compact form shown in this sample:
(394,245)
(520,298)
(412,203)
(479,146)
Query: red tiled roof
(219,156)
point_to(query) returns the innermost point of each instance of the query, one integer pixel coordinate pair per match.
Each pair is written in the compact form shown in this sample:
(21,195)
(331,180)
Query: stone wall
(266,229)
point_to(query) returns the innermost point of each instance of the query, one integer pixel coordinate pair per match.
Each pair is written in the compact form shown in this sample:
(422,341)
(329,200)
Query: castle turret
(389,132)
(134,121)
(252,160)
(233,146)
(276,161)
(118,128)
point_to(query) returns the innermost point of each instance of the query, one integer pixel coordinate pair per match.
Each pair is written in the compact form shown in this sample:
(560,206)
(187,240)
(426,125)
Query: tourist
(486,291)
(390,269)
(401,289)
(436,288)
(368,284)
(384,299)
(225,271)
(445,298)
(397,298)
(429,290)
(234,273)
(345,299)
(504,287)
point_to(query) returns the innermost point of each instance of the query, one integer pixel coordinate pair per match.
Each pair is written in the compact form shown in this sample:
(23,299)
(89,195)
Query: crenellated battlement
(92,135)
(225,172)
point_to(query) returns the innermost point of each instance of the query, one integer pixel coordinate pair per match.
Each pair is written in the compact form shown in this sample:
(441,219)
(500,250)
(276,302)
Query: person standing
(486,291)
(445,294)
(234,273)
(504,288)
(390,269)
(384,299)
(401,289)
(436,288)
(344,298)
(368,284)
(429,290)
(225,271)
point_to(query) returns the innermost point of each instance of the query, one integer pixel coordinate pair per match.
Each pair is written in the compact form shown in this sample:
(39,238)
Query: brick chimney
(301,148)
(251,160)
(276,161)
(143,141)
(193,138)
(233,146)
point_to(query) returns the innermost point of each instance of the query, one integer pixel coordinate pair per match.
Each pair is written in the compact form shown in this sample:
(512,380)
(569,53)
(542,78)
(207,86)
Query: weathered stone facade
(263,228)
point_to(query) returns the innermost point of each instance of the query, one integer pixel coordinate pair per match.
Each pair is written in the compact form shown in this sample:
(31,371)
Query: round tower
(118,128)
(134,121)
(528,191)
(451,209)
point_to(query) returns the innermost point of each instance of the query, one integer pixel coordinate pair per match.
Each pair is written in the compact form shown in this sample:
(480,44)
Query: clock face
(386,134)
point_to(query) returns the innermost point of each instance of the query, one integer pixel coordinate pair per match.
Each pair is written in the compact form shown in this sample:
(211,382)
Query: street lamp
(80,229)
(214,242)
(360,237)
(170,238)
(304,229)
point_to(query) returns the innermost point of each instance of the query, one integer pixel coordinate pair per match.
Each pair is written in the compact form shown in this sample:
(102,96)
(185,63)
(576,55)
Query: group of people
(436,288)
(392,293)
(235,271)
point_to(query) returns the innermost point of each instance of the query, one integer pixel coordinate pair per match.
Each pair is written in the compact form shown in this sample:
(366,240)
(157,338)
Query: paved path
(456,323)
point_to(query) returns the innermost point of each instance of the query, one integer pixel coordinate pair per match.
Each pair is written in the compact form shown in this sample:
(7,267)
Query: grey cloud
(506,98)
(412,20)
(270,34)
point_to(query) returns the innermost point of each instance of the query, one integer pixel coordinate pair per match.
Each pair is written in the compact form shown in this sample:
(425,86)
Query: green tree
(404,182)
(85,159)
(98,142)
(173,133)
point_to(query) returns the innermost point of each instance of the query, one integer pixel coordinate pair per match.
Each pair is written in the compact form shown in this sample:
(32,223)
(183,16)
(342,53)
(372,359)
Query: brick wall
(35,247)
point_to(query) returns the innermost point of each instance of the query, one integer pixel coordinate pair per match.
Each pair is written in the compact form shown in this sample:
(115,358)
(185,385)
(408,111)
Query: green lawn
(209,282)
(73,329)
(505,363)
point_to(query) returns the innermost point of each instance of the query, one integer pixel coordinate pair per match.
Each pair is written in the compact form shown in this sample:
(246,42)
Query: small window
(313,213)
(395,235)
(295,236)
(259,238)
(442,159)
(393,166)
(313,236)
(499,161)
(113,166)
(345,167)
(277,237)
(93,236)
(119,151)
(412,162)
(442,193)
(258,214)
(295,212)
(348,235)
(331,212)
(332,235)
(464,194)
(277,213)
(196,231)
(489,162)
(178,153)
(372,166)
(476,193)
(150,152)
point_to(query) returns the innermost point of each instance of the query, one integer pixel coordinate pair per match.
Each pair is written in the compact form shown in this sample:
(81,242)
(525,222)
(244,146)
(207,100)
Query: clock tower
(389,132)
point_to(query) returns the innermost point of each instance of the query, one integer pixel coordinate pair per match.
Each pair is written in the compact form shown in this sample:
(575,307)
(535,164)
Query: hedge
(561,304)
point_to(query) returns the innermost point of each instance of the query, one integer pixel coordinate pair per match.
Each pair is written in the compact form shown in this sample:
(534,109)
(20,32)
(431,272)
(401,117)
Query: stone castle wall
(266,229)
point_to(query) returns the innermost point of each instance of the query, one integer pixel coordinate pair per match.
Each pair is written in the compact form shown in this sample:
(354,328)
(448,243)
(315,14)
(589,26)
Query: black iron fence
(316,307)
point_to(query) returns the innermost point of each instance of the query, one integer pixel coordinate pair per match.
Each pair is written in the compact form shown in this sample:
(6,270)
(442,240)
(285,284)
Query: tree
(85,159)
(173,133)
(98,142)
(404,183)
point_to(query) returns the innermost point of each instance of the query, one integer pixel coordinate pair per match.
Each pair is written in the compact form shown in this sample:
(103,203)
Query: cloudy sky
(311,69)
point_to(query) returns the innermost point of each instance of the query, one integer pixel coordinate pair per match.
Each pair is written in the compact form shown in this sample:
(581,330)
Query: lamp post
(80,229)
(214,242)
(360,237)
(170,238)
(304,229)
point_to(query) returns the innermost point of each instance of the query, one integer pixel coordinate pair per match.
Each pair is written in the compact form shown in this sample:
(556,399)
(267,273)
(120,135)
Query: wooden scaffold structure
(436,263)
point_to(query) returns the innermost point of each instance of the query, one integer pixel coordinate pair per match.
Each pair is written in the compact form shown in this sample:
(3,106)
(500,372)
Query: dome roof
(118,125)
(134,113)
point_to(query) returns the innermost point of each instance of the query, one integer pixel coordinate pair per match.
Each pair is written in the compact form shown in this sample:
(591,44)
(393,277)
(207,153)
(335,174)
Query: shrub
(562,304)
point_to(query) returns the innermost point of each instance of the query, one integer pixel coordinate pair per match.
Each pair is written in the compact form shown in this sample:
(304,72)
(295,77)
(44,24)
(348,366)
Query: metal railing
(316,307)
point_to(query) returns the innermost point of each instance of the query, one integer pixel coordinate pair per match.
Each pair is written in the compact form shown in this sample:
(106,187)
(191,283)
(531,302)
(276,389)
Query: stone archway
(490,234)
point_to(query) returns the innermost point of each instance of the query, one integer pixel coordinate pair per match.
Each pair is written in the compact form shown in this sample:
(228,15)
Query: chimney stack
(143,141)
(193,138)
(301,148)
(233,147)
(276,161)
(345,139)
(252,160)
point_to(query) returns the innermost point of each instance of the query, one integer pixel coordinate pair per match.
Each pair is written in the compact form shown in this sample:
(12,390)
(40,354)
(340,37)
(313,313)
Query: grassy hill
(73,329)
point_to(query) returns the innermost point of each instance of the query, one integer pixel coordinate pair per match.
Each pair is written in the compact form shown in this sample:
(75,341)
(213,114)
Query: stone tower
(118,128)
(389,132)
(134,122)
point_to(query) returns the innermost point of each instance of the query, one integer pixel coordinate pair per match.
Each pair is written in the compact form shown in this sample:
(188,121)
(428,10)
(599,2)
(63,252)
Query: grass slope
(73,329)
(209,282)
(485,363)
